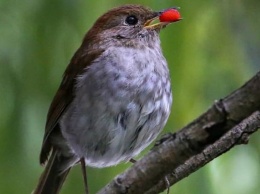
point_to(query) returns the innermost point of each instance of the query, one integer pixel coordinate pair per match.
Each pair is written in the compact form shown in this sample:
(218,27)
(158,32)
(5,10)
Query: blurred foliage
(213,51)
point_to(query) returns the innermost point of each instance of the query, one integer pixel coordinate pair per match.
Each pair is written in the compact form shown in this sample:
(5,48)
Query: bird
(114,99)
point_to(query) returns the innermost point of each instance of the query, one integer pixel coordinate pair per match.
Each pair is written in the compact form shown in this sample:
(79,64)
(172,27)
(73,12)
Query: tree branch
(171,152)
(236,136)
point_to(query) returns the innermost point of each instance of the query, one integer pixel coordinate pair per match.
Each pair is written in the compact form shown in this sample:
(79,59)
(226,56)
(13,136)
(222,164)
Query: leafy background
(213,51)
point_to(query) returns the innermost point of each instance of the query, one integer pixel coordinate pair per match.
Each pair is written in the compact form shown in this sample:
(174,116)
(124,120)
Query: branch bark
(236,136)
(194,145)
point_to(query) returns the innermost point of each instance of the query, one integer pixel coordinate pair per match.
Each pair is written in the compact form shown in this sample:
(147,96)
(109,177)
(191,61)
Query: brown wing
(64,97)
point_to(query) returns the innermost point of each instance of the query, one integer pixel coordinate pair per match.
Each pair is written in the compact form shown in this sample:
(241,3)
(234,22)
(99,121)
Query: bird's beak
(159,20)
(150,23)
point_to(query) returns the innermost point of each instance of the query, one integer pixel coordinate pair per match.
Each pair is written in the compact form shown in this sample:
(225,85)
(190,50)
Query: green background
(211,52)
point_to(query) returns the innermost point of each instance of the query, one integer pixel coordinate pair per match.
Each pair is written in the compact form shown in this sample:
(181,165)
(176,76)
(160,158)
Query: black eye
(131,20)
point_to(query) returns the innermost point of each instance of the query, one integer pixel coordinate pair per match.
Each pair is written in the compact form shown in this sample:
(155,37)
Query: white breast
(122,102)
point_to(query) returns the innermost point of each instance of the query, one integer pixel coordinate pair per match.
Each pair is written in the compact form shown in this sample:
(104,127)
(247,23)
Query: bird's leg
(167,184)
(84,173)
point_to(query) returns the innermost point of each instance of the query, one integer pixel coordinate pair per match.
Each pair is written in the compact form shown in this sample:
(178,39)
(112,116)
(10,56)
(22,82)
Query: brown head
(124,24)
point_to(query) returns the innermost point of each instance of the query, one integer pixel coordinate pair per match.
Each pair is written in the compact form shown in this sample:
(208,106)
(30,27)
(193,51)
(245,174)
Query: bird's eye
(131,20)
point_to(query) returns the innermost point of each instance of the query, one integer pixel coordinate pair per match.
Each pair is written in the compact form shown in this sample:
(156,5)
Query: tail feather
(52,178)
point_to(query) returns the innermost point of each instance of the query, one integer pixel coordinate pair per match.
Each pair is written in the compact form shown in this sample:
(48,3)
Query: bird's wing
(64,96)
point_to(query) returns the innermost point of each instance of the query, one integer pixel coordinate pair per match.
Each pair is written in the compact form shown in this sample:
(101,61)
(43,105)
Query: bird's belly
(117,111)
(104,138)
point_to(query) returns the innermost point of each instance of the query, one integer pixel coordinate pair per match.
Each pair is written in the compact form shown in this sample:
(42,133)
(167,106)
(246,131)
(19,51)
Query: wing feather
(64,96)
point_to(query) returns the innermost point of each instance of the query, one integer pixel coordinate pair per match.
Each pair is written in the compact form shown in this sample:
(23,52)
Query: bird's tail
(52,178)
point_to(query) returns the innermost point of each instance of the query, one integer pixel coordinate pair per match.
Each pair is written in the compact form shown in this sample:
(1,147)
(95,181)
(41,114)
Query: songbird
(115,96)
